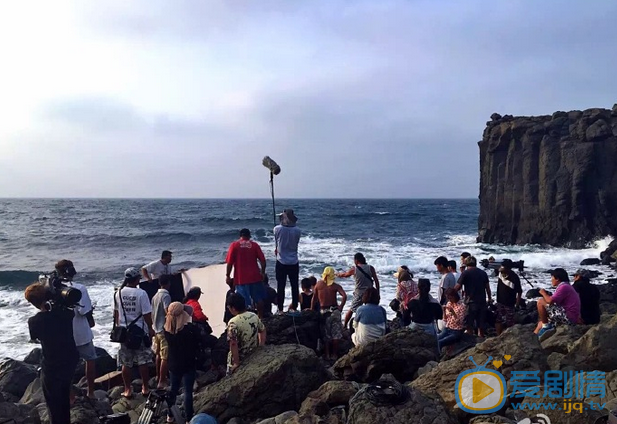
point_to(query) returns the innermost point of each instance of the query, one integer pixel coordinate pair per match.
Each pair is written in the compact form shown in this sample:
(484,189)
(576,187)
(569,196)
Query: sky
(353,99)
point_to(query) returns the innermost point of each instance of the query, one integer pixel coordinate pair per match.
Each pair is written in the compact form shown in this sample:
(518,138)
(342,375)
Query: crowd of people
(173,335)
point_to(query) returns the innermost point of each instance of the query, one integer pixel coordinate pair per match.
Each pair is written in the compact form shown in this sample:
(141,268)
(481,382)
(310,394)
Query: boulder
(35,357)
(16,376)
(83,411)
(519,342)
(292,329)
(280,419)
(416,409)
(400,353)
(329,395)
(591,261)
(34,393)
(555,361)
(273,380)
(465,343)
(13,413)
(608,308)
(563,338)
(104,364)
(595,349)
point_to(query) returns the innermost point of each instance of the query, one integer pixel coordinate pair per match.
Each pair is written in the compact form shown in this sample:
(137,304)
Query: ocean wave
(18,278)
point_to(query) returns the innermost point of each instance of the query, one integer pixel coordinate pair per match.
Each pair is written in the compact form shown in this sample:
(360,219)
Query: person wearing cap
(82,331)
(192,299)
(155,269)
(562,308)
(248,263)
(370,320)
(331,329)
(509,292)
(132,306)
(160,303)
(184,340)
(287,237)
(589,295)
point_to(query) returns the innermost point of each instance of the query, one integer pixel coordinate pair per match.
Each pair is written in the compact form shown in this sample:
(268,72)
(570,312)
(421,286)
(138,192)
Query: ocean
(103,237)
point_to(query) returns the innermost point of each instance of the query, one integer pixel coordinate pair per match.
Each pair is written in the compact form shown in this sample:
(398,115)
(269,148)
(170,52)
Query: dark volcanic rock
(549,179)
(290,329)
(273,380)
(16,376)
(400,353)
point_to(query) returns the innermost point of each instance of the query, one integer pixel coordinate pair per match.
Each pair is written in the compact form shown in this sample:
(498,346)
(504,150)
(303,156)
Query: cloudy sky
(374,98)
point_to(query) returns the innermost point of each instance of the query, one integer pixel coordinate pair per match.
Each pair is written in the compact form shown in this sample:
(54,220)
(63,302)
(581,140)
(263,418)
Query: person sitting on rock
(562,308)
(454,312)
(370,320)
(424,309)
(509,293)
(590,297)
(245,332)
(306,296)
(407,288)
(326,292)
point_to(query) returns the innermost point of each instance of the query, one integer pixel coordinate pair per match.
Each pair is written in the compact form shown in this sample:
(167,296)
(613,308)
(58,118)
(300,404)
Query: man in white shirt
(160,303)
(81,326)
(155,269)
(132,308)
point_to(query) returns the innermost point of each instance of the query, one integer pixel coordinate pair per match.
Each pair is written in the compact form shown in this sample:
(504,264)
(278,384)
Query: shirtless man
(325,293)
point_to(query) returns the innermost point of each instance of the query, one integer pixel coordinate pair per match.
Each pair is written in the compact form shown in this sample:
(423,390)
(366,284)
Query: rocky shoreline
(285,382)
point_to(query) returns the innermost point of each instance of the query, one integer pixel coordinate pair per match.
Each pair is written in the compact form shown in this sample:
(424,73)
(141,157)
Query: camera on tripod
(60,294)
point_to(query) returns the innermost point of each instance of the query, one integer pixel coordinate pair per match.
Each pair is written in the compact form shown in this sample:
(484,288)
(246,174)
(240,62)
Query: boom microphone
(271,165)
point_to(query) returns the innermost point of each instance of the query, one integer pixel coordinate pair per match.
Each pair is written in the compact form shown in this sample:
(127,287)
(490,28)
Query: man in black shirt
(589,295)
(509,293)
(476,285)
(54,329)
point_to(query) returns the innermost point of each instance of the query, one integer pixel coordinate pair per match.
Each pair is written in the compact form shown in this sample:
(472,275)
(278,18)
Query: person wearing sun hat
(287,237)
(326,292)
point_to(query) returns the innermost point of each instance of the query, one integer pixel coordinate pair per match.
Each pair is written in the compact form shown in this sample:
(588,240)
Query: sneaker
(548,330)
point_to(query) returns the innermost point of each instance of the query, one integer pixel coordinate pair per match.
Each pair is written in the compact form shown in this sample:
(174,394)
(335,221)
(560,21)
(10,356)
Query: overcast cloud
(353,98)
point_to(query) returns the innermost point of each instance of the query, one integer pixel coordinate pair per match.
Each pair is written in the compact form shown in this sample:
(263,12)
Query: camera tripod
(156,407)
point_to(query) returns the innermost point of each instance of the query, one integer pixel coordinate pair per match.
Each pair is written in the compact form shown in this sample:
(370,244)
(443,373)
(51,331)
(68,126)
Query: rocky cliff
(549,179)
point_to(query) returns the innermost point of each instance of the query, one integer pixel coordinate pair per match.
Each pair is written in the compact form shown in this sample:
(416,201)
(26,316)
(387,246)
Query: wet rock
(273,380)
(400,353)
(591,261)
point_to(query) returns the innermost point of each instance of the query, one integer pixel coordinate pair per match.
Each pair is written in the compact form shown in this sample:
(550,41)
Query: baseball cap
(196,289)
(583,273)
(132,272)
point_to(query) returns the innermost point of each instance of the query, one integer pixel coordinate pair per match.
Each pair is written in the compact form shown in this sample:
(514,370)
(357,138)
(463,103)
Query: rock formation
(549,179)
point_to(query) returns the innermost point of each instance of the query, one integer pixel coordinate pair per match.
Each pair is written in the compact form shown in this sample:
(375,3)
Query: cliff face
(549,179)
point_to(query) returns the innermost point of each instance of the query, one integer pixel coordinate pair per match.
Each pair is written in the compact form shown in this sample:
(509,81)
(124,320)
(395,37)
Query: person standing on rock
(155,269)
(132,308)
(509,293)
(477,288)
(54,329)
(452,270)
(160,303)
(464,257)
(447,280)
(245,332)
(364,275)
(590,297)
(243,257)
(287,237)
(82,323)
(331,328)
(562,308)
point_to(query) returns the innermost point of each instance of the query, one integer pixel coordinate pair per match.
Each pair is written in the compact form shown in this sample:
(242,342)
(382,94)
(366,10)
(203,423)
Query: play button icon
(480,390)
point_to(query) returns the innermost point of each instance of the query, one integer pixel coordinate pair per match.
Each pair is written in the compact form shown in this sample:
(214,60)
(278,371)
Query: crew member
(287,236)
(155,269)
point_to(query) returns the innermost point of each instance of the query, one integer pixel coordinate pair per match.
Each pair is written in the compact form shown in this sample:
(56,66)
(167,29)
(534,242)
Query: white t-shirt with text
(135,302)
(82,333)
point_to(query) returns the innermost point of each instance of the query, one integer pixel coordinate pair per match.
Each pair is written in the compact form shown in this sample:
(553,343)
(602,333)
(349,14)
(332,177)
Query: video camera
(493,264)
(60,294)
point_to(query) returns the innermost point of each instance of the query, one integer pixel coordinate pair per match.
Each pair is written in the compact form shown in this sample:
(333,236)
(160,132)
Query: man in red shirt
(242,257)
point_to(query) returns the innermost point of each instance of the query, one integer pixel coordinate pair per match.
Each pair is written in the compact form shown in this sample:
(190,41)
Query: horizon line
(238,198)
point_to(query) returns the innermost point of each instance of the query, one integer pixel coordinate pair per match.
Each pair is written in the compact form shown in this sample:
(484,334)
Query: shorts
(505,314)
(476,315)
(356,300)
(557,315)
(87,352)
(331,325)
(252,293)
(160,346)
(130,358)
